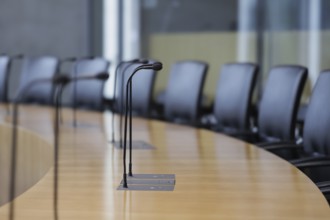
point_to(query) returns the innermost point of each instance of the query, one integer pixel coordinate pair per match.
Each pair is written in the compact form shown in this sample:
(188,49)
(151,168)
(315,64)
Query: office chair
(279,105)
(38,68)
(313,155)
(232,105)
(184,92)
(88,94)
(316,141)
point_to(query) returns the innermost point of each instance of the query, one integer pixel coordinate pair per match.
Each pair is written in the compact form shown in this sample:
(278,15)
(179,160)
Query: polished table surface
(217,177)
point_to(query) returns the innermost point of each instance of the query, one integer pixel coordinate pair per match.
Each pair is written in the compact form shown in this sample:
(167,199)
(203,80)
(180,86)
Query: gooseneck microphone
(60,80)
(16,101)
(142,61)
(155,66)
(63,81)
(120,108)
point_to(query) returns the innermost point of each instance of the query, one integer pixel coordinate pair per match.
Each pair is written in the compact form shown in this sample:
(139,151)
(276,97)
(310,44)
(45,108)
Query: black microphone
(61,80)
(18,98)
(141,61)
(131,62)
(98,76)
(155,66)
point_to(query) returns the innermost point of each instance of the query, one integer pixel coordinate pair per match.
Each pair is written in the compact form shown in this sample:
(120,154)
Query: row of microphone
(64,79)
(61,80)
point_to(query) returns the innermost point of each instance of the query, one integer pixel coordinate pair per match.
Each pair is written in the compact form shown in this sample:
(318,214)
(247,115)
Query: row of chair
(273,127)
(182,102)
(277,111)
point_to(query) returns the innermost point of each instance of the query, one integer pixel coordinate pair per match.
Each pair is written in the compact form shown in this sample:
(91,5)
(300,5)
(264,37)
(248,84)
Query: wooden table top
(217,177)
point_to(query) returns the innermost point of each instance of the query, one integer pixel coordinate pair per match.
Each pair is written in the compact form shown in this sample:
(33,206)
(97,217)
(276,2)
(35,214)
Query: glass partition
(267,32)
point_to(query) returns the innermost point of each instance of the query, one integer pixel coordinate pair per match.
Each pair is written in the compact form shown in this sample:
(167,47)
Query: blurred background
(266,32)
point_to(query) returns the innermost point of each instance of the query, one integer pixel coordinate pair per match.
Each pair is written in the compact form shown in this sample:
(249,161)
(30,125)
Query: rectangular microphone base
(147,188)
(136,145)
(152,176)
(149,182)
(81,124)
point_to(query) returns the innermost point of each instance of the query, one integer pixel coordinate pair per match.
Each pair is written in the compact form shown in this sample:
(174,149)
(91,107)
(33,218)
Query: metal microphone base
(136,145)
(149,182)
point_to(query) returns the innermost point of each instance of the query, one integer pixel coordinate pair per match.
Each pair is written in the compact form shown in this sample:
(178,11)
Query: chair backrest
(89,93)
(4,76)
(279,104)
(38,68)
(142,89)
(317,121)
(184,91)
(232,105)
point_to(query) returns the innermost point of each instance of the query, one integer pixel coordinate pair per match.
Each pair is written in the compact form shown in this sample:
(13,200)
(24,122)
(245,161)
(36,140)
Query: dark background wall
(62,28)
(39,27)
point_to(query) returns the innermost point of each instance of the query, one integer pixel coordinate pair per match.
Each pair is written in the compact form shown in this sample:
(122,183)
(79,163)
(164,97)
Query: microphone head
(102,76)
(61,79)
(157,66)
(143,61)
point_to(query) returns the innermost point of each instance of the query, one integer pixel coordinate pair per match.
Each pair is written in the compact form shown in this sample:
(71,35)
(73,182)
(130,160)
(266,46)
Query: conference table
(216,176)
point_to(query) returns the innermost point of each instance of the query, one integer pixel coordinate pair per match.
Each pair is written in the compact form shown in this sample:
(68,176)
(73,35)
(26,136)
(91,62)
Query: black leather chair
(38,68)
(142,90)
(184,92)
(88,94)
(4,76)
(279,105)
(232,105)
(313,155)
(316,140)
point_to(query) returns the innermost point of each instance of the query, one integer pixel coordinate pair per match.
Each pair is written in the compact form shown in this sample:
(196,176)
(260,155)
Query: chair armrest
(325,191)
(323,184)
(276,143)
(324,187)
(309,159)
(283,147)
(321,163)
(286,151)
